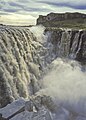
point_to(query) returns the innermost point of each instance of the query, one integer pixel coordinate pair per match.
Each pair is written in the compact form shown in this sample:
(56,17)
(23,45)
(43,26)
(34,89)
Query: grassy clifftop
(65,20)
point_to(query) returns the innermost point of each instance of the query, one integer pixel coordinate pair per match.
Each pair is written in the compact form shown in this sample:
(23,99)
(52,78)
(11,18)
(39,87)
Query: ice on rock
(12,108)
(41,115)
(55,90)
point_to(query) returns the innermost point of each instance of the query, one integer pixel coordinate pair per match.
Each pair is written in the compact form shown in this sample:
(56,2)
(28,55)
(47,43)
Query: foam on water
(66,83)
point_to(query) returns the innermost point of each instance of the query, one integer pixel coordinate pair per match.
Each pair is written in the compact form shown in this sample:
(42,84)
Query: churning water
(24,56)
(66,83)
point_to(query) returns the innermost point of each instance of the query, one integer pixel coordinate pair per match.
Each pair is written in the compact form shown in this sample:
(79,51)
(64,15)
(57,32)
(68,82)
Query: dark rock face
(57,19)
(23,58)
(83,48)
(69,43)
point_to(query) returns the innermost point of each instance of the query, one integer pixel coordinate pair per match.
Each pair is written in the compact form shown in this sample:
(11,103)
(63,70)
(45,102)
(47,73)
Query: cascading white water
(25,54)
(16,60)
(66,83)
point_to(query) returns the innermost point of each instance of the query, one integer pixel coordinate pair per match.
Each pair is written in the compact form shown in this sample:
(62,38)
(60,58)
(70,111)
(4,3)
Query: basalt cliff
(66,20)
(45,65)
(24,57)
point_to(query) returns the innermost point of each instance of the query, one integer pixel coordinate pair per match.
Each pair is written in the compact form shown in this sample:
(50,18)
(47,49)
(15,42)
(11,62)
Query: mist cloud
(66,83)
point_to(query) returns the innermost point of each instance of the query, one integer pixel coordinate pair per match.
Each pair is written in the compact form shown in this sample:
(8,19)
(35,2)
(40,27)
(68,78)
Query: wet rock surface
(30,110)
(24,57)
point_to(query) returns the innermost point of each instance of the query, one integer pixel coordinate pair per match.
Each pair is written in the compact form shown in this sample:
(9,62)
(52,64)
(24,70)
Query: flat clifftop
(67,20)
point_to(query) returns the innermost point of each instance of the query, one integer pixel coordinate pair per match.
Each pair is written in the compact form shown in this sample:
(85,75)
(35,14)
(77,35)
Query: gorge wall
(69,43)
(66,20)
(26,52)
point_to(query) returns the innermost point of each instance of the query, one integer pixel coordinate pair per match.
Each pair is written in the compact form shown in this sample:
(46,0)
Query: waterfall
(47,66)
(69,43)
(25,54)
(19,62)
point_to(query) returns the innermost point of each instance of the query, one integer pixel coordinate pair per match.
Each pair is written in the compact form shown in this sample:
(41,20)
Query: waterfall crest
(19,62)
(26,52)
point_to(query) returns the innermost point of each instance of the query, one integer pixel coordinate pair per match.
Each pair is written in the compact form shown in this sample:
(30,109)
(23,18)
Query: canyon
(30,57)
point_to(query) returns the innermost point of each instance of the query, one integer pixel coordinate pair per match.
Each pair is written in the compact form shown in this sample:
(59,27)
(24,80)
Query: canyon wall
(66,20)
(26,52)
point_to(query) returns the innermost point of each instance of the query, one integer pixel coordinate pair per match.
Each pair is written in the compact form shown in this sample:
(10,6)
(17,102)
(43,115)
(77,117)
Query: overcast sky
(25,12)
